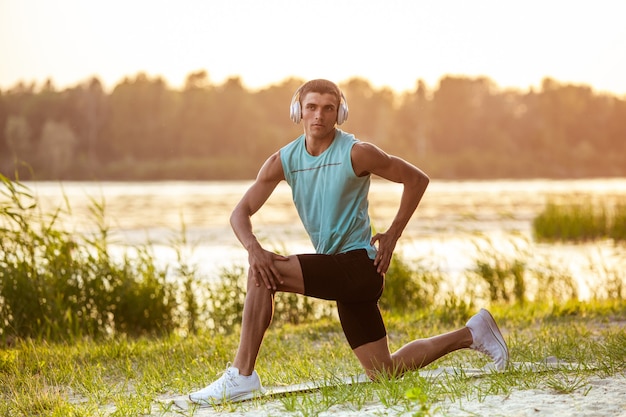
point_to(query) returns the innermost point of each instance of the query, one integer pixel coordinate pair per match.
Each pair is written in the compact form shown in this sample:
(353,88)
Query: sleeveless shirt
(330,198)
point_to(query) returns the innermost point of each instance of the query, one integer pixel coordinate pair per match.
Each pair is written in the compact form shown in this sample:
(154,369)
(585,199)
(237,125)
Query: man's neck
(315,146)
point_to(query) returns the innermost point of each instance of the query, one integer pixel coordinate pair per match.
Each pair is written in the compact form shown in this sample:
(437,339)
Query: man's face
(319,114)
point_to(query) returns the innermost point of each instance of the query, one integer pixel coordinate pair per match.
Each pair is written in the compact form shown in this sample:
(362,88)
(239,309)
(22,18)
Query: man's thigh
(291,274)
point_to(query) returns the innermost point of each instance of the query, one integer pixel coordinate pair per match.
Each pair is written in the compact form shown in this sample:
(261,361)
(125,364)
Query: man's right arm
(261,261)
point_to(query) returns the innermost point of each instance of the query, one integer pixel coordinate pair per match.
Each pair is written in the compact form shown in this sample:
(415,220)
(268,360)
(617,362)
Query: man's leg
(240,381)
(258,311)
(375,357)
(481,333)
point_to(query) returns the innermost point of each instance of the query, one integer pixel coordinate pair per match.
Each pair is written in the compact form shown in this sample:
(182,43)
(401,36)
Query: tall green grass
(59,285)
(576,220)
(55,284)
(83,332)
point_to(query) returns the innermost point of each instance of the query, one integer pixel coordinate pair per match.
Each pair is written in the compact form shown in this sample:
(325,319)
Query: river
(455,220)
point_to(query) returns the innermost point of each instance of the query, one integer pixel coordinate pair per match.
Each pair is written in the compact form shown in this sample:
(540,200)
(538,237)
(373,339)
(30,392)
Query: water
(453,218)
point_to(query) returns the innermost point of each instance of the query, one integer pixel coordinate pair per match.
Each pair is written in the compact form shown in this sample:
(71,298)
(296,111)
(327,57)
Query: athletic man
(329,173)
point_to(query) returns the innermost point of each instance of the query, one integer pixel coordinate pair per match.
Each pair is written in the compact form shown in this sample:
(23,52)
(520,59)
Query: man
(329,173)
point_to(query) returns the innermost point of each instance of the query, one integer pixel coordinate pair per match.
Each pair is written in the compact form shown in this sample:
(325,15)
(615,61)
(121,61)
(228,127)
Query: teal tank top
(330,198)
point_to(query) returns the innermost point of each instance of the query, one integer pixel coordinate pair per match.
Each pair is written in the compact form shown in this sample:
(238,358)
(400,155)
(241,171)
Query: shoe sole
(235,398)
(495,331)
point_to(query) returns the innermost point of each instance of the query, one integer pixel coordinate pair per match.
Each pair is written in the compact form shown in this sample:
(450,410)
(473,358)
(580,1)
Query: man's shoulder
(272,169)
(365,148)
(366,156)
(291,148)
(347,136)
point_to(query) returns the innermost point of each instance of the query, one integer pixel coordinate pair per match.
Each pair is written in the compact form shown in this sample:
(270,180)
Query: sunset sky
(390,42)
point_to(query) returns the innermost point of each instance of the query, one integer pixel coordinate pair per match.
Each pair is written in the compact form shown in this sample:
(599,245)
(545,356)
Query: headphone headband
(295,109)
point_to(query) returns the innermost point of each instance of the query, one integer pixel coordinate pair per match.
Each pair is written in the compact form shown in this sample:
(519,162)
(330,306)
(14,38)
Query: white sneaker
(488,339)
(229,387)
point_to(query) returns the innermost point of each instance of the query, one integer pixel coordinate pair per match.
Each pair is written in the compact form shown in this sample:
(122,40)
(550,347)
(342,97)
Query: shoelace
(482,349)
(227,381)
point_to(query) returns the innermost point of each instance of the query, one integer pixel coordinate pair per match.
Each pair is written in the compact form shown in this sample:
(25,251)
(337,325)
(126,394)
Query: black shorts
(352,281)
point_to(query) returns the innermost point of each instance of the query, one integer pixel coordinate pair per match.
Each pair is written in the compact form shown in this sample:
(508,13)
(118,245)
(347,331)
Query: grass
(124,376)
(576,219)
(83,334)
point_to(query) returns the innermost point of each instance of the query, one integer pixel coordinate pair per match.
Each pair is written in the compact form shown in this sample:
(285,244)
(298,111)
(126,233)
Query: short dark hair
(320,86)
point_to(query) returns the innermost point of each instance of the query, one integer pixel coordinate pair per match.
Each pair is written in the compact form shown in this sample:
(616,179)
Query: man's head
(320,86)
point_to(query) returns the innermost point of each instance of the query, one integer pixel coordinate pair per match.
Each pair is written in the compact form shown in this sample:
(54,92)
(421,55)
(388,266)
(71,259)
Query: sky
(391,43)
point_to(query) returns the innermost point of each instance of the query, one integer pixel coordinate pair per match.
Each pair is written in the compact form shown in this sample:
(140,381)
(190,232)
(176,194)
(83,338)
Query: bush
(226,299)
(580,221)
(227,296)
(503,274)
(56,285)
(408,289)
(618,224)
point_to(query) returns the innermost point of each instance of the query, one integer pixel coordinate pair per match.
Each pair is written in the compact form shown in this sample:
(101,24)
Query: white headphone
(295,111)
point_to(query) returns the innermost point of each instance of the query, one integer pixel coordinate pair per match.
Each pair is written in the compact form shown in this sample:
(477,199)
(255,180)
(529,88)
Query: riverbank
(598,397)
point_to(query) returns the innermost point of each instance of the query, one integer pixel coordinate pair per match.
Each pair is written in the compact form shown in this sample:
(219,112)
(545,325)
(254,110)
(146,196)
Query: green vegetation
(56,285)
(461,128)
(126,376)
(84,333)
(575,220)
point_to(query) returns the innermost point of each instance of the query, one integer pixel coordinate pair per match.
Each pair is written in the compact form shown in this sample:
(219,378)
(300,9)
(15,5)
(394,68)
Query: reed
(576,220)
(617,230)
(58,285)
(84,333)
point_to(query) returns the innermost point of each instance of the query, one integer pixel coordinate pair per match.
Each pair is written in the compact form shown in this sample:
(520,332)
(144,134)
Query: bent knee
(376,359)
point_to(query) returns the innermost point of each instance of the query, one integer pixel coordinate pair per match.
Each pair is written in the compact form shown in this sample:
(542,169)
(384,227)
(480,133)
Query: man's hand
(386,246)
(263,269)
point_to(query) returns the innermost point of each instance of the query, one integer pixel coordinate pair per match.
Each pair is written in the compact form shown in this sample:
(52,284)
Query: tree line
(463,128)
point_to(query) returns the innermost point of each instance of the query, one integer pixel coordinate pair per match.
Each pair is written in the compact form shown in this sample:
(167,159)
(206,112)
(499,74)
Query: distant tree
(457,112)
(4,116)
(198,116)
(18,134)
(616,127)
(142,119)
(462,128)
(412,122)
(41,106)
(275,128)
(90,105)
(371,115)
(239,120)
(56,149)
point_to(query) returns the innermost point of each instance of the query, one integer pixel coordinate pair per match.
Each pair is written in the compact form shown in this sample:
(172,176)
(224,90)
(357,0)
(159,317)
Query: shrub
(617,230)
(503,274)
(580,221)
(227,296)
(56,285)
(408,289)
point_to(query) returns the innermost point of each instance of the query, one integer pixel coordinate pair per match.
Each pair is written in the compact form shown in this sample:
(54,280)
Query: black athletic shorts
(352,281)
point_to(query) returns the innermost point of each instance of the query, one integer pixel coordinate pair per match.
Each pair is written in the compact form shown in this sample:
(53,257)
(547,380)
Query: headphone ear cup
(295,112)
(342,114)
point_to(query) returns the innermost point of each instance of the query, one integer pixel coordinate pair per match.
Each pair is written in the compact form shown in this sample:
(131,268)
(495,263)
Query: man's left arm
(368,158)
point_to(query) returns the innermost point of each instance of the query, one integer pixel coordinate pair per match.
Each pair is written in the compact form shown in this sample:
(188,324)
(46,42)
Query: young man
(329,173)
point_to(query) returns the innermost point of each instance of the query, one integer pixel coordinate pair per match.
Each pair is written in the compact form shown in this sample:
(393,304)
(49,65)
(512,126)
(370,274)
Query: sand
(599,397)
(595,397)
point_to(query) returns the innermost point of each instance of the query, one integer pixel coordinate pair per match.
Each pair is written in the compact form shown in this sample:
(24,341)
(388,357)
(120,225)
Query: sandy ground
(605,397)
(599,397)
